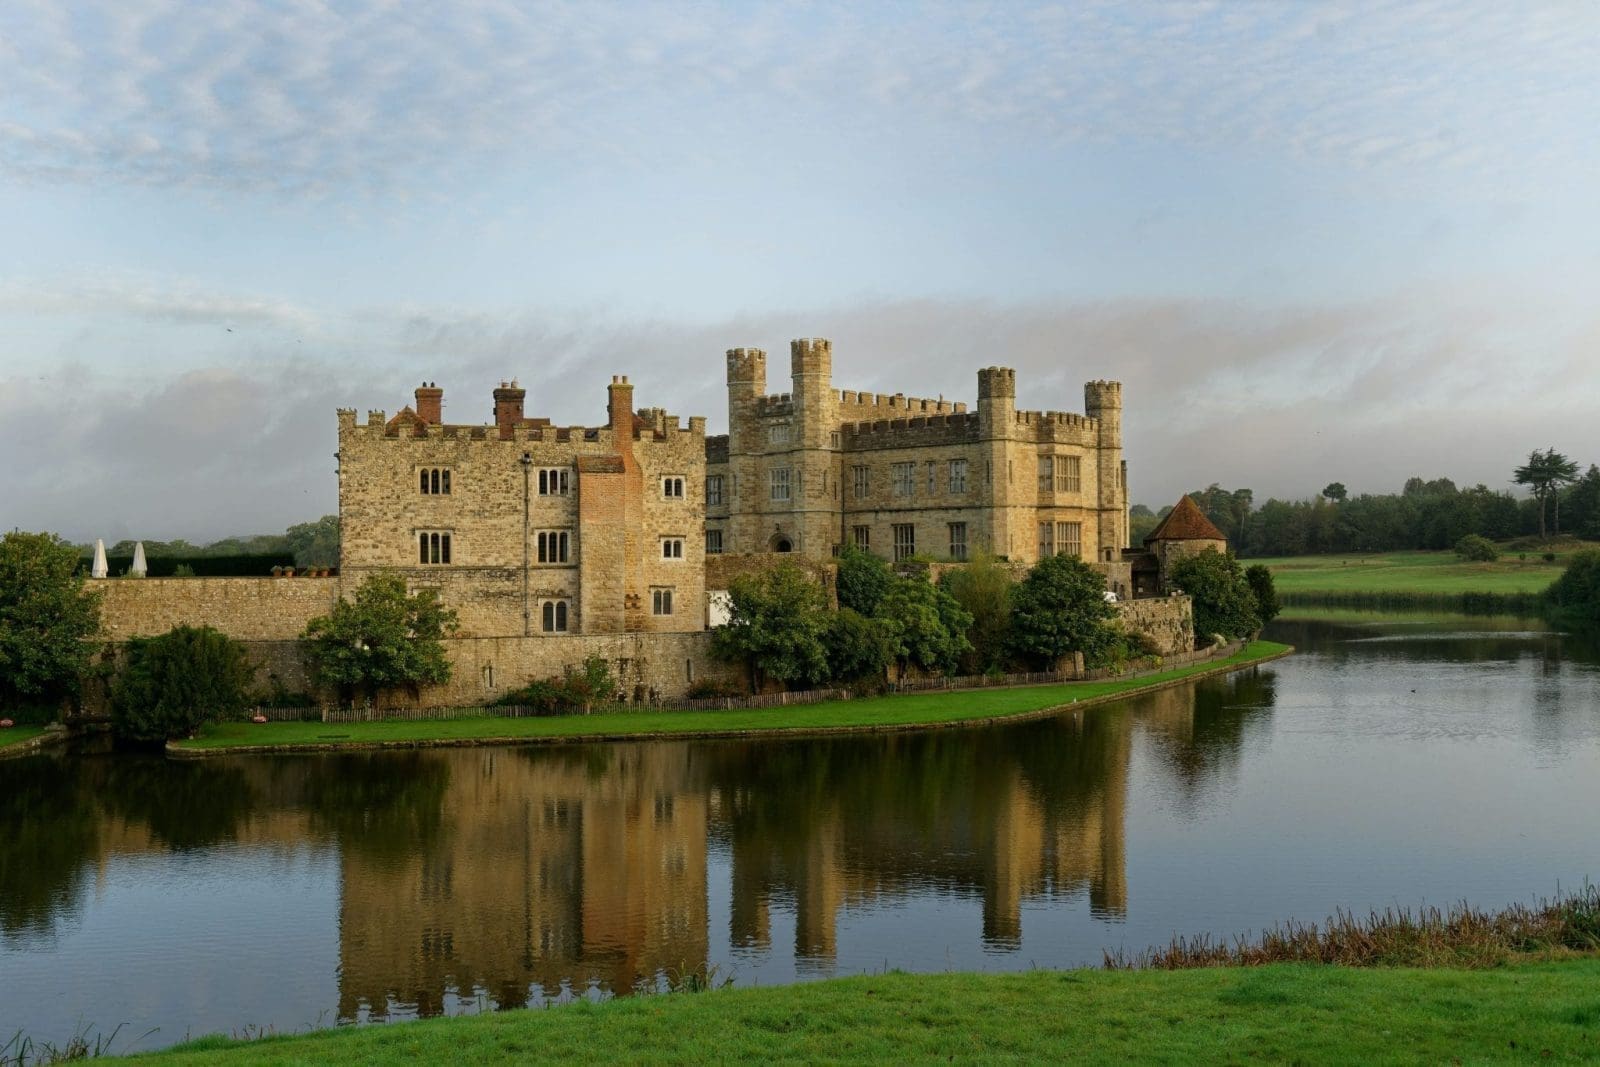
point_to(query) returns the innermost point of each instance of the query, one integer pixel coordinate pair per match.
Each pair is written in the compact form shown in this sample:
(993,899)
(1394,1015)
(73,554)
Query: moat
(1392,761)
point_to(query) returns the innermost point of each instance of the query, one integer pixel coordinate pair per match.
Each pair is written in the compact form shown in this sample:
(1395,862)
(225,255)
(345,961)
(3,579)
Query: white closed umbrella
(140,568)
(99,569)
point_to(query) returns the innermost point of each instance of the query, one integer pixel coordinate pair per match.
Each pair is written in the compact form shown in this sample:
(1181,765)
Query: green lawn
(1410,572)
(1301,1013)
(890,711)
(16,735)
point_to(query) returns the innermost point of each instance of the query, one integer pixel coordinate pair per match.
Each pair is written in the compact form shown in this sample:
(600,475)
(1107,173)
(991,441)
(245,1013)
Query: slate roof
(1185,522)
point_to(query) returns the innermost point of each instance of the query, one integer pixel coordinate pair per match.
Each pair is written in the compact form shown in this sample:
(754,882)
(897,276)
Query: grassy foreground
(1283,1012)
(907,710)
(17,735)
(1411,572)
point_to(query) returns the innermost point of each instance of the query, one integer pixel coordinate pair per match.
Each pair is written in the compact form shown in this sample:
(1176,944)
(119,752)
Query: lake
(1393,761)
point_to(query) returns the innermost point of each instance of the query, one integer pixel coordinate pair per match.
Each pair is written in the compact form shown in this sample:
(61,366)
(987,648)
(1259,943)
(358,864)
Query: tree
(385,638)
(1576,594)
(863,579)
(859,648)
(47,621)
(1141,520)
(1545,474)
(776,626)
(924,624)
(1259,577)
(315,544)
(1335,491)
(983,589)
(1060,608)
(173,683)
(1223,601)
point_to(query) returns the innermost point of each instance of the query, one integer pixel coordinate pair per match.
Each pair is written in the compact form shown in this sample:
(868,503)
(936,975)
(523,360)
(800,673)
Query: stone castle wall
(249,609)
(1169,621)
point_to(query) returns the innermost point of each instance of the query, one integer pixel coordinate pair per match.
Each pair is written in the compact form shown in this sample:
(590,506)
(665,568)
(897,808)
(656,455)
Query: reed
(1460,936)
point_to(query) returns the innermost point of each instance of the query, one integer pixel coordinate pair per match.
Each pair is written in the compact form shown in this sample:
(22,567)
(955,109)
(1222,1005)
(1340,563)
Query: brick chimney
(619,407)
(430,403)
(508,408)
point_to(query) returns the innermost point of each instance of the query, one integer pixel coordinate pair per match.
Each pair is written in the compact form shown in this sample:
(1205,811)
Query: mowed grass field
(1413,572)
(16,735)
(1283,1013)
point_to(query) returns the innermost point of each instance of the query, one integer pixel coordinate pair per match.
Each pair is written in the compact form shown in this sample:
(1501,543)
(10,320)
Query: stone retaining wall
(1168,621)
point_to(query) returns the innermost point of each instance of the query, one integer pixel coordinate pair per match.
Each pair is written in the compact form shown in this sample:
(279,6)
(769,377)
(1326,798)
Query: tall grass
(1462,936)
(24,1051)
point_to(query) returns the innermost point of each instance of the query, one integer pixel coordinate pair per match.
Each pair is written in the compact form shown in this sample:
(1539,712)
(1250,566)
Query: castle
(557,543)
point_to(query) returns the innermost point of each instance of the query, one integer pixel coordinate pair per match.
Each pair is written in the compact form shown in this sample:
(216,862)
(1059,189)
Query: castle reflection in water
(518,874)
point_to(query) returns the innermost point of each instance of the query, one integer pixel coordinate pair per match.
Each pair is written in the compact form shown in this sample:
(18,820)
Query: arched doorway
(782,544)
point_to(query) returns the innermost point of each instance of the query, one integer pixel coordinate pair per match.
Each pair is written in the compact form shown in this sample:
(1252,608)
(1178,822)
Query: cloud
(1281,399)
(305,98)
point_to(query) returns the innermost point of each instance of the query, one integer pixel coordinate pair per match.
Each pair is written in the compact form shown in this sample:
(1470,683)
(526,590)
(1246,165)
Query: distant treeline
(308,544)
(1423,515)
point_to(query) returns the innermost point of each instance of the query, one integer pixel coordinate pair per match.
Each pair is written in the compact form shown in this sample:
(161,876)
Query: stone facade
(526,528)
(1168,621)
(815,468)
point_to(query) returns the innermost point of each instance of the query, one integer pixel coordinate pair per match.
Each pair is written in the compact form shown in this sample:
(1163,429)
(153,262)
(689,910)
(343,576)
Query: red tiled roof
(1185,522)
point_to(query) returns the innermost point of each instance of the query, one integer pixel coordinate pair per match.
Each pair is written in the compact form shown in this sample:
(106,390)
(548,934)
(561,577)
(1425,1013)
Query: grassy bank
(19,735)
(1441,573)
(875,713)
(1283,1012)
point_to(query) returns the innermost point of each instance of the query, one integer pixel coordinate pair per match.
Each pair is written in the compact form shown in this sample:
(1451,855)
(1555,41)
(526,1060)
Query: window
(861,537)
(554,481)
(905,541)
(661,601)
(1069,538)
(672,548)
(780,483)
(713,542)
(860,483)
(902,478)
(553,616)
(834,439)
(713,490)
(1047,540)
(434,481)
(1069,474)
(553,545)
(958,540)
(672,487)
(933,486)
(1047,474)
(778,434)
(958,476)
(433,547)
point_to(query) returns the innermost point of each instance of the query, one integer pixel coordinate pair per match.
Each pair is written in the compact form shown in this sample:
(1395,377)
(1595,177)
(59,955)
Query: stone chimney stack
(430,403)
(508,408)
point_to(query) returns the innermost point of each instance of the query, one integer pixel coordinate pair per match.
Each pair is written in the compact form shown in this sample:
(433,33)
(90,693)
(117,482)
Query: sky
(1315,241)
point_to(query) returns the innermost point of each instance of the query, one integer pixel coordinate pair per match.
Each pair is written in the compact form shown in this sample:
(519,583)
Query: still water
(1389,762)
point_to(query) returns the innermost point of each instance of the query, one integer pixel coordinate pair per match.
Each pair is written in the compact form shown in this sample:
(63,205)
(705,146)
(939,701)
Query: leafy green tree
(1546,474)
(776,626)
(983,589)
(863,580)
(1141,520)
(1223,602)
(174,683)
(859,648)
(1259,576)
(386,638)
(1575,596)
(315,544)
(925,625)
(1475,548)
(47,621)
(1583,504)
(1060,608)
(1335,491)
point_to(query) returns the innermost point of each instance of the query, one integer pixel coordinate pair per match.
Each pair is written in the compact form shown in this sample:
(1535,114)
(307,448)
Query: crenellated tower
(1102,401)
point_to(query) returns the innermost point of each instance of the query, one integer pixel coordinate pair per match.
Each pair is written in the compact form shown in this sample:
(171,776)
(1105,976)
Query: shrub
(1576,594)
(776,623)
(924,625)
(1475,548)
(383,639)
(983,588)
(859,648)
(1259,576)
(173,683)
(578,689)
(863,581)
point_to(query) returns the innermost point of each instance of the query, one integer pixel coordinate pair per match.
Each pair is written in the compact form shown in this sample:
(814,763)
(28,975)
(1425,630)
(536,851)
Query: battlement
(811,357)
(1063,427)
(997,382)
(940,429)
(865,407)
(1099,395)
(775,404)
(748,366)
